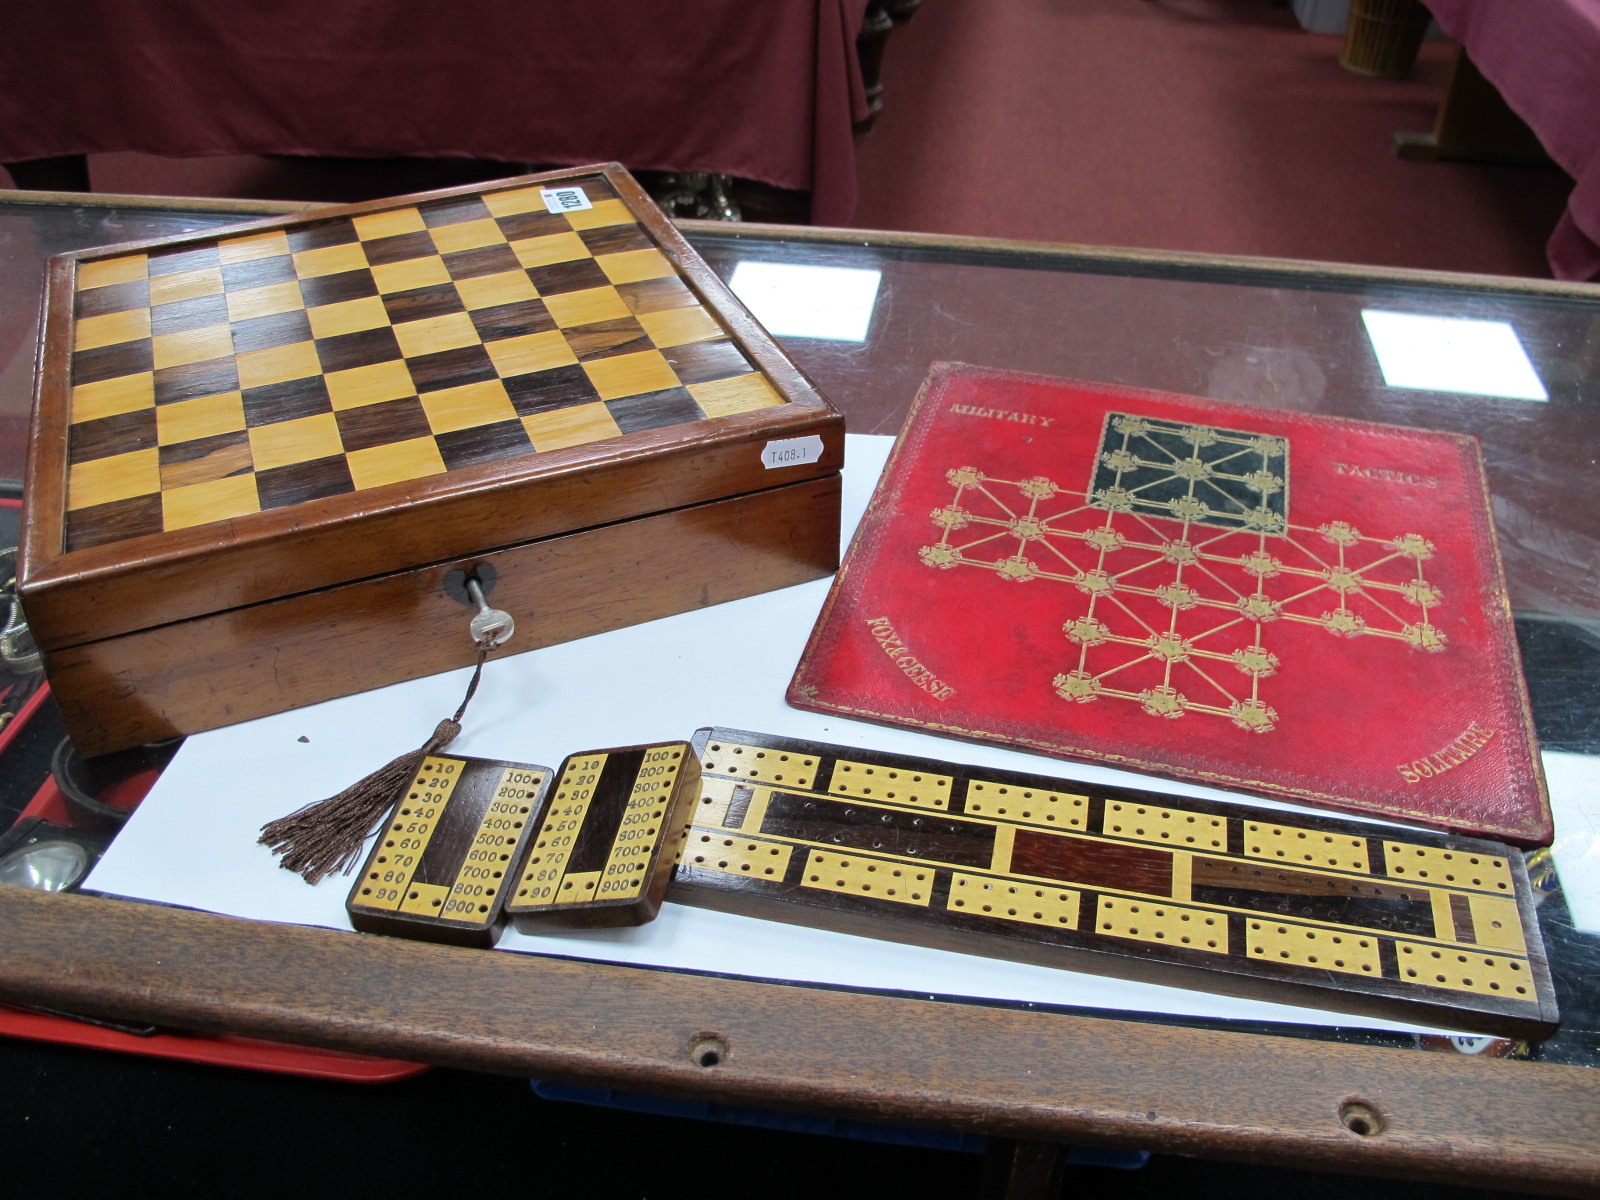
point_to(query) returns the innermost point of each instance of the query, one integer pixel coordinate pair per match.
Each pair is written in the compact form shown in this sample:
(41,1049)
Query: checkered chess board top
(267,370)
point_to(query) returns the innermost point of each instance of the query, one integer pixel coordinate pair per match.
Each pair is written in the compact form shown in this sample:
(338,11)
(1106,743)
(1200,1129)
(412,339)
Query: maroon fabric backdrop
(1545,59)
(765,90)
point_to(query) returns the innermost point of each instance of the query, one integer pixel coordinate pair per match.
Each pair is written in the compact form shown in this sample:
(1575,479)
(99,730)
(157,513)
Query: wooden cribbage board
(606,839)
(262,370)
(439,869)
(1220,897)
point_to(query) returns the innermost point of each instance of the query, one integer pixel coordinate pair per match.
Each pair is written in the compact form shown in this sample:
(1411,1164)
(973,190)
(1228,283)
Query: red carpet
(1207,125)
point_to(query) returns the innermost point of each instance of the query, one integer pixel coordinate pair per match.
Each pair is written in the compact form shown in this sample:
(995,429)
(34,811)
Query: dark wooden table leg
(1021,1170)
(1474,124)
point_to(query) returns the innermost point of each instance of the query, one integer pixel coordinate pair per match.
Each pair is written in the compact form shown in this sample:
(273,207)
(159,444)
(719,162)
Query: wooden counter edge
(1035,1075)
(1134,260)
(246,209)
(1114,259)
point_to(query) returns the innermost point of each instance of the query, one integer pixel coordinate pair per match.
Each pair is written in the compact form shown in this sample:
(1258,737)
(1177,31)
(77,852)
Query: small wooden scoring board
(1355,917)
(477,841)
(607,837)
(437,871)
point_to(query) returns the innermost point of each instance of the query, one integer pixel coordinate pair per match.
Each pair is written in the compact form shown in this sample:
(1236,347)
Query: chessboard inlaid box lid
(242,414)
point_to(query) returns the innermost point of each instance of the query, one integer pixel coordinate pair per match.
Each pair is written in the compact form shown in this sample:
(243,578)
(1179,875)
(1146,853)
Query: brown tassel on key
(325,838)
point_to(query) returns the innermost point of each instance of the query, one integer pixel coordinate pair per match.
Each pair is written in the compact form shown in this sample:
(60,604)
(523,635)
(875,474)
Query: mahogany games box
(1295,606)
(261,453)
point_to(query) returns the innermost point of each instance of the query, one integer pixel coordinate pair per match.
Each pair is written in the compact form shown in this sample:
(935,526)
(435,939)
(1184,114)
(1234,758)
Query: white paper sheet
(1574,781)
(1452,354)
(193,840)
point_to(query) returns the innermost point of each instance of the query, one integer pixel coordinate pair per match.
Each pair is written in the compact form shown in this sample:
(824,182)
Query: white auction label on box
(567,199)
(791,452)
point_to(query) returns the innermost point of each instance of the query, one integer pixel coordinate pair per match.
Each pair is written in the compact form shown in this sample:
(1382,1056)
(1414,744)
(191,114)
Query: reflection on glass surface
(1451,354)
(1235,332)
(797,300)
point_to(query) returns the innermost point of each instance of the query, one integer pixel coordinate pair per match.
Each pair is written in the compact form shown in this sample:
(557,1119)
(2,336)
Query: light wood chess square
(742,393)
(679,326)
(102,480)
(550,249)
(266,301)
(468,406)
(196,345)
(469,235)
(486,291)
(329,260)
(298,360)
(634,265)
(112,270)
(605,212)
(509,204)
(535,352)
(206,416)
(348,316)
(586,307)
(576,426)
(110,397)
(256,246)
(202,503)
(430,336)
(395,463)
(413,273)
(185,285)
(372,384)
(93,332)
(388,224)
(630,374)
(295,441)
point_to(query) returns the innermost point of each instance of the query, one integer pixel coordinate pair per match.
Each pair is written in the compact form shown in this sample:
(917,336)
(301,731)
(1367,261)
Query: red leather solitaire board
(1290,605)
